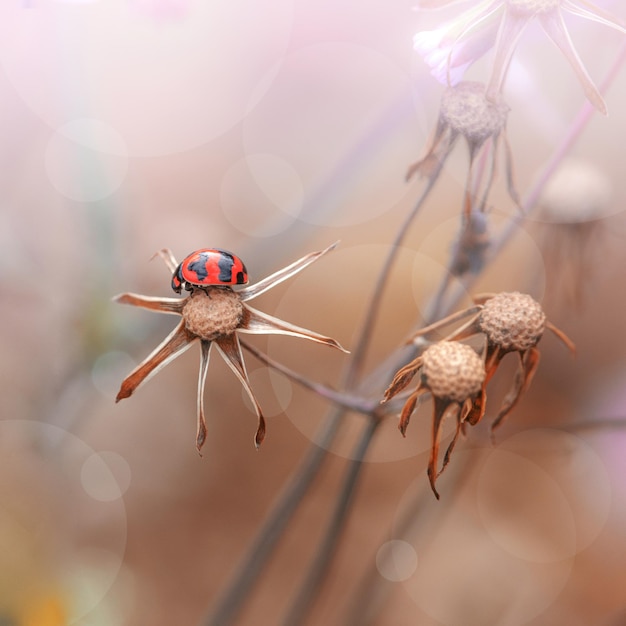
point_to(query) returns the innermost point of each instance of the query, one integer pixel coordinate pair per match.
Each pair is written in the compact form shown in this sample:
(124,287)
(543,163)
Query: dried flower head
(454,375)
(512,321)
(509,322)
(457,377)
(215,315)
(577,192)
(571,230)
(466,111)
(452,48)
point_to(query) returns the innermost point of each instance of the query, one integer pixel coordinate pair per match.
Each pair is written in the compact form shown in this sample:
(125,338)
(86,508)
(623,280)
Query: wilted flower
(454,46)
(215,315)
(465,111)
(454,375)
(572,204)
(457,377)
(510,322)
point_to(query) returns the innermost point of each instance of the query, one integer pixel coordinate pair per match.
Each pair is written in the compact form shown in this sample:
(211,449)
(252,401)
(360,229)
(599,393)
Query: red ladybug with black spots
(209,267)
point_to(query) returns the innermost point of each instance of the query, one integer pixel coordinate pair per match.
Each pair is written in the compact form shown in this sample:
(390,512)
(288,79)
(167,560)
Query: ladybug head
(177,279)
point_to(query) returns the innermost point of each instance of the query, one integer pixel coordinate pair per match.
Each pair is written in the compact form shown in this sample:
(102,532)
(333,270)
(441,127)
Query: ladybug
(209,267)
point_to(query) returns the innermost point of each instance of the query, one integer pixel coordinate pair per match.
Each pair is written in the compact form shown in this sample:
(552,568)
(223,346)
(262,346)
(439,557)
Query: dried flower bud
(512,321)
(213,313)
(466,110)
(452,370)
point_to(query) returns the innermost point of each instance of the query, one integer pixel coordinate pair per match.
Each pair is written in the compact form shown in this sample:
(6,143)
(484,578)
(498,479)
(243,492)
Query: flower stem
(362,343)
(323,558)
(274,525)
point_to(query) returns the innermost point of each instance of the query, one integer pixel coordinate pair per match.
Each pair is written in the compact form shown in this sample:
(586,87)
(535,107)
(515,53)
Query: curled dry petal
(523,377)
(440,409)
(440,147)
(409,407)
(205,353)
(402,378)
(461,416)
(231,351)
(174,344)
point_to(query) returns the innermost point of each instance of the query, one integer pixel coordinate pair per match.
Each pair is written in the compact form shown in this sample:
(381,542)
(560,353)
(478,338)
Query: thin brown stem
(231,603)
(362,342)
(342,399)
(323,558)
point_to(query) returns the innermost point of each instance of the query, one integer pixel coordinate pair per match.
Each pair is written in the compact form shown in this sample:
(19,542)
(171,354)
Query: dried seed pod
(212,313)
(457,377)
(454,375)
(512,321)
(452,371)
(466,111)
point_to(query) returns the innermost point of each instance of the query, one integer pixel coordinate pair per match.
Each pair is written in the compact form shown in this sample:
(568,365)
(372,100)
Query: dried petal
(205,353)
(162,305)
(231,351)
(174,344)
(253,291)
(555,28)
(523,377)
(409,407)
(256,322)
(402,378)
(439,412)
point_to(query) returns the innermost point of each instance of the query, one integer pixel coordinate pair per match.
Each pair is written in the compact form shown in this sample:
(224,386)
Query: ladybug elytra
(209,267)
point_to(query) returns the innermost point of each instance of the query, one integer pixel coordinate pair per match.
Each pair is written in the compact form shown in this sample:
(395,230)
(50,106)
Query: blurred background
(273,128)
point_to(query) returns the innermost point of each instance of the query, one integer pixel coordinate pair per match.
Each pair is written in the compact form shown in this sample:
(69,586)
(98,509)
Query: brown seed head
(213,313)
(512,321)
(467,111)
(452,370)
